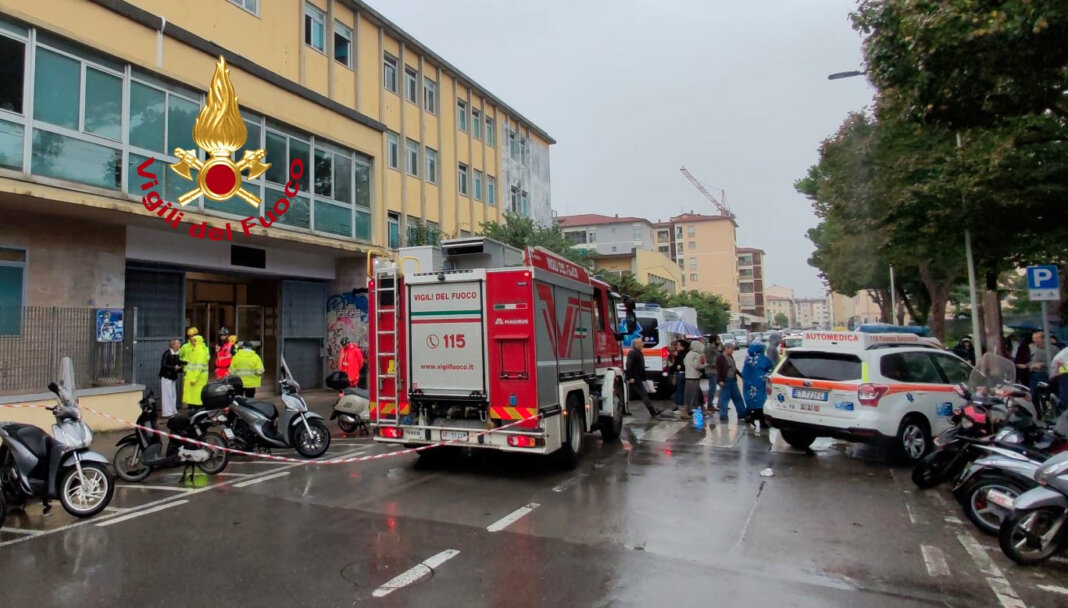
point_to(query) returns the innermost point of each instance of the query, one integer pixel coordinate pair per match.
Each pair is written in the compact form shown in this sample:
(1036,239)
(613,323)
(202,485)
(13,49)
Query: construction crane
(721,205)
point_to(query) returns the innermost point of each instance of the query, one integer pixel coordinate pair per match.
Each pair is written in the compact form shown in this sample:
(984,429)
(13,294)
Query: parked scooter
(142,451)
(1035,529)
(352,406)
(257,425)
(34,465)
(1004,470)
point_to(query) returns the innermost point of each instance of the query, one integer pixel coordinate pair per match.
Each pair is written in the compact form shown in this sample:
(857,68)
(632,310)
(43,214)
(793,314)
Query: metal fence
(31,348)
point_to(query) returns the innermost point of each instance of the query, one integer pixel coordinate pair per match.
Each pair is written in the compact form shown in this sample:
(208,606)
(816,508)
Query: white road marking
(21,531)
(912,516)
(86,522)
(424,568)
(1054,589)
(1006,595)
(935,561)
(131,486)
(662,432)
(233,474)
(245,484)
(130,516)
(119,509)
(511,518)
(954,520)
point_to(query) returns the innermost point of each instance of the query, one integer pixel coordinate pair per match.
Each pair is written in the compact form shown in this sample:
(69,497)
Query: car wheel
(798,439)
(913,440)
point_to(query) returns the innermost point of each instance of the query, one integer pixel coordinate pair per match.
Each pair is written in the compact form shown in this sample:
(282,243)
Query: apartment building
(813,313)
(98,96)
(751,297)
(775,306)
(622,245)
(705,249)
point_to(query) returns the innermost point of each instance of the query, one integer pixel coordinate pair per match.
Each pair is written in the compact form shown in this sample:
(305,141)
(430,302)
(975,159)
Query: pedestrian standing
(350,361)
(1038,365)
(248,366)
(727,374)
(678,371)
(169,367)
(635,371)
(196,373)
(694,364)
(755,372)
(774,340)
(1023,361)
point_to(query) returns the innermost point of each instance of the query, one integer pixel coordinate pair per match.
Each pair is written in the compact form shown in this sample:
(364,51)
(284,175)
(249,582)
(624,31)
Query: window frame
(905,358)
(476,183)
(23,266)
(346,33)
(431,160)
(461,115)
(393,219)
(411,84)
(389,62)
(491,131)
(491,190)
(241,4)
(430,95)
(310,12)
(408,164)
(393,150)
(476,123)
(938,357)
(463,173)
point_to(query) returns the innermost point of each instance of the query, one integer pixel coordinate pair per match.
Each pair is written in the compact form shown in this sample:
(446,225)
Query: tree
(520,231)
(781,320)
(422,233)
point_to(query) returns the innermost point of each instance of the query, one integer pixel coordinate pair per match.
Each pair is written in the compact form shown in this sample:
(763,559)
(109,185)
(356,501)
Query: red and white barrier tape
(213,446)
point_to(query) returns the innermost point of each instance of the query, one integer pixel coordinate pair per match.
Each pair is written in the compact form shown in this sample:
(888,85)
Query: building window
(461,178)
(342,44)
(692,245)
(252,6)
(693,276)
(314,27)
(693,263)
(392,150)
(691,231)
(478,184)
(389,72)
(491,190)
(637,230)
(513,145)
(12,289)
(411,85)
(491,133)
(411,149)
(461,115)
(432,165)
(523,204)
(681,246)
(476,123)
(394,230)
(664,249)
(524,150)
(430,96)
(592,236)
(663,235)
(513,200)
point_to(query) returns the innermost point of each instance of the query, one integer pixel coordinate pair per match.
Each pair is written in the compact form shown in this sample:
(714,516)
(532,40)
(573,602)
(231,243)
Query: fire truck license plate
(413,433)
(450,435)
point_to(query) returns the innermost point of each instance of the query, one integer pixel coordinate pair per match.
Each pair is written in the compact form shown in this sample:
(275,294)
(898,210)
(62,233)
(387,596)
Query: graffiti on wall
(346,317)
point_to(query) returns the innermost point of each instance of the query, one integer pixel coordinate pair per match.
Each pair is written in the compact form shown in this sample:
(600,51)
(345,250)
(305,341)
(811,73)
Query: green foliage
(522,232)
(421,233)
(713,312)
(781,320)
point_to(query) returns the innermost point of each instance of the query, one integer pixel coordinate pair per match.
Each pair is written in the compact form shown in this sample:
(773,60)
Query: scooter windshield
(66,381)
(993,371)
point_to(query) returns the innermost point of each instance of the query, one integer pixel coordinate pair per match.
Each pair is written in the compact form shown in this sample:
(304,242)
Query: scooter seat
(262,407)
(178,424)
(359,392)
(36,440)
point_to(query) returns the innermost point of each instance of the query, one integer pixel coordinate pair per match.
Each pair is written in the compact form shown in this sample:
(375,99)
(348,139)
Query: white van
(650,317)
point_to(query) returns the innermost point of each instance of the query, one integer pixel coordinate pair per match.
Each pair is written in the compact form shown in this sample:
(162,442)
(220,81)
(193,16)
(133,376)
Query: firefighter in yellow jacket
(196,373)
(248,366)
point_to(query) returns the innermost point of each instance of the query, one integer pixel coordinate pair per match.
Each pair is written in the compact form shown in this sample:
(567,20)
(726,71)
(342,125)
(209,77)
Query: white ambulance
(891,387)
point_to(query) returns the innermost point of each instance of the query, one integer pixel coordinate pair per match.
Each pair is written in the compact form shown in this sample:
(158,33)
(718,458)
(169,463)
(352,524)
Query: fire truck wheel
(613,428)
(571,450)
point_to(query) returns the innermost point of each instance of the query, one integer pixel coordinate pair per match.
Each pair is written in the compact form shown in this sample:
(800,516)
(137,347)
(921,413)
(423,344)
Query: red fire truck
(475,334)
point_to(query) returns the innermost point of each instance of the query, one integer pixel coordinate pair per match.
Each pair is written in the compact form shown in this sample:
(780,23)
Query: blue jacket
(755,376)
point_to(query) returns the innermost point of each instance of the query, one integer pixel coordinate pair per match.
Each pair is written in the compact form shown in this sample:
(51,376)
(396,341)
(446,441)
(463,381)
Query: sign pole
(976,336)
(1045,333)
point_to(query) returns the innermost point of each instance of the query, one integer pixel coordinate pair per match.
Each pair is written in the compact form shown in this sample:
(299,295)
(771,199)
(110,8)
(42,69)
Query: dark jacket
(636,365)
(167,363)
(724,368)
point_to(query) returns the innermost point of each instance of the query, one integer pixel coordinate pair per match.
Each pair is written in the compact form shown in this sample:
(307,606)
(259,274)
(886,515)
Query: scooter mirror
(52,386)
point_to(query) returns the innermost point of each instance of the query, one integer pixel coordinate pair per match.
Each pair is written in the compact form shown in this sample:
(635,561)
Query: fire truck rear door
(447,346)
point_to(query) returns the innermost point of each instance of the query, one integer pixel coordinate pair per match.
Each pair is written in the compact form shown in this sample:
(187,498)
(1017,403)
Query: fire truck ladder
(388,286)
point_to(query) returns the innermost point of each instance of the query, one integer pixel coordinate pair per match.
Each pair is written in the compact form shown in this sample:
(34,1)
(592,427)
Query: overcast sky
(735,90)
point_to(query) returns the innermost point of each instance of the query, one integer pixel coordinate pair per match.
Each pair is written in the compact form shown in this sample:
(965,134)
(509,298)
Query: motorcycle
(256,425)
(34,465)
(142,451)
(1035,529)
(352,404)
(991,397)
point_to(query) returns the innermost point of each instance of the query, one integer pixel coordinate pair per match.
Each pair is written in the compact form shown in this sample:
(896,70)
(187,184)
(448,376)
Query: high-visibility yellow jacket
(185,349)
(196,372)
(248,366)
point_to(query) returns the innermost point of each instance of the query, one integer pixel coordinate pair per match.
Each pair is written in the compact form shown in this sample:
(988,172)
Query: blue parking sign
(1043,283)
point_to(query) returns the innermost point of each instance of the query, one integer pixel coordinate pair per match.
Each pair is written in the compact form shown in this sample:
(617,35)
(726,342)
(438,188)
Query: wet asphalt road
(668,516)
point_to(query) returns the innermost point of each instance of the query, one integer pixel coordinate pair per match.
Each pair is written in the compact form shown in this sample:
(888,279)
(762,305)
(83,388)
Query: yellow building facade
(386,130)
(647,267)
(705,249)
